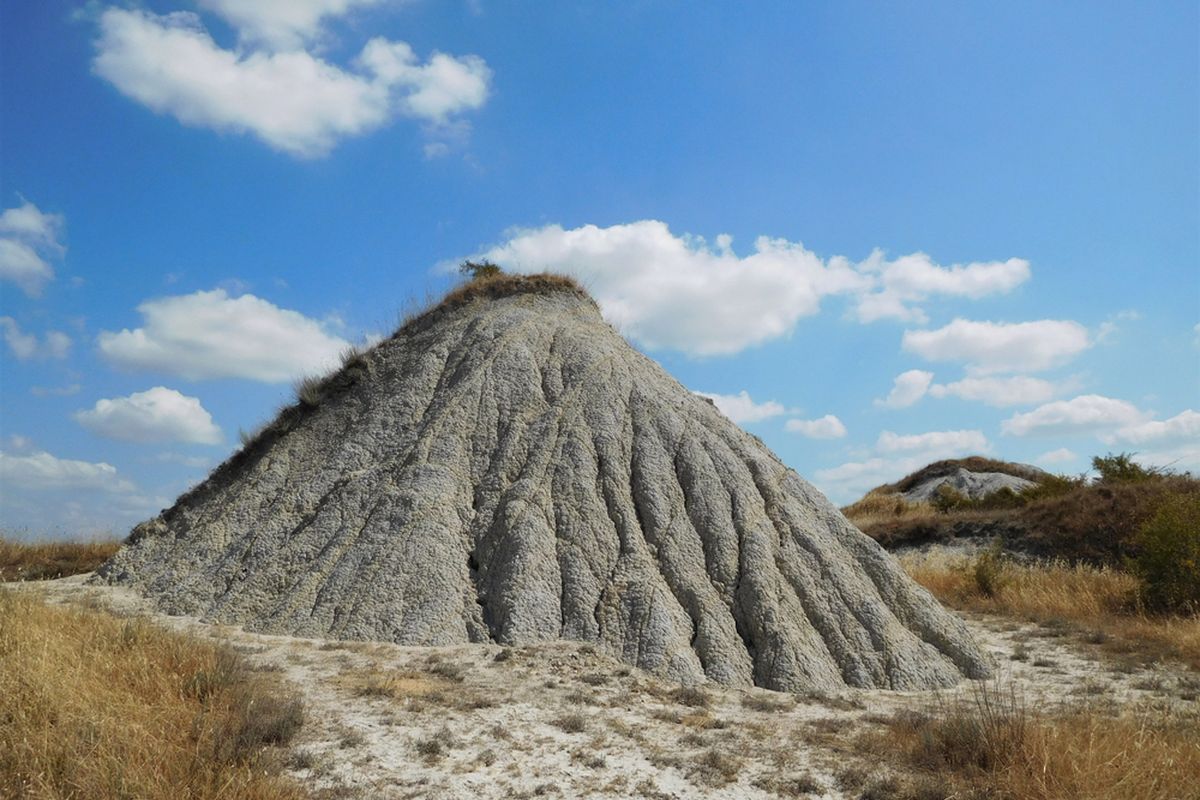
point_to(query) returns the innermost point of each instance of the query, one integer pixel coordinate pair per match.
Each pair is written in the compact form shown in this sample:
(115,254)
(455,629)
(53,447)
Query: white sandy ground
(562,720)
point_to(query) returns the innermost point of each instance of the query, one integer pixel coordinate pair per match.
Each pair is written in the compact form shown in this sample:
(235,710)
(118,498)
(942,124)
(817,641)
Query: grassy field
(35,561)
(94,706)
(1100,603)
(990,744)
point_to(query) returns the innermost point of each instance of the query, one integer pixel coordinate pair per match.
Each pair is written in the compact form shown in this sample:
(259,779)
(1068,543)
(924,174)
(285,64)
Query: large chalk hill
(507,468)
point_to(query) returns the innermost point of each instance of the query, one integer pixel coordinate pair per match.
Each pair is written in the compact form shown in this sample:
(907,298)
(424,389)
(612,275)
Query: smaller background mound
(937,472)
(1075,518)
(972,485)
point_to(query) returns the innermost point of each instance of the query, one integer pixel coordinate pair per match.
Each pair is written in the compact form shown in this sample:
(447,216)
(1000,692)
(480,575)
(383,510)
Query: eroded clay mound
(510,469)
(972,485)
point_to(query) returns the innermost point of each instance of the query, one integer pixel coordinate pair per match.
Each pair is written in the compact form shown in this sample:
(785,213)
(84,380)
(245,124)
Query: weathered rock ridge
(508,468)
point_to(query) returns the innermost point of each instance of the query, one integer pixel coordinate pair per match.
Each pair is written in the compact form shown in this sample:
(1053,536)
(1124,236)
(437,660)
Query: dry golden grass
(93,706)
(395,684)
(35,561)
(878,506)
(491,287)
(1095,599)
(991,745)
(440,687)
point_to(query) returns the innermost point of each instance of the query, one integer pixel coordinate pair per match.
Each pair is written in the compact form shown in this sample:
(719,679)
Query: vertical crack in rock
(507,468)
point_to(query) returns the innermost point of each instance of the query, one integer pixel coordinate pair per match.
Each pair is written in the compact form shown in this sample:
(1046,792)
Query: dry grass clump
(492,287)
(93,706)
(37,561)
(991,745)
(439,687)
(571,723)
(773,702)
(1102,600)
(691,696)
(715,767)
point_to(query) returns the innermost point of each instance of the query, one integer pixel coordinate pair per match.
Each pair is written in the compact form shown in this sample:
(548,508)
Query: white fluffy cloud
(933,442)
(915,278)
(997,347)
(741,408)
(1089,413)
(212,335)
(826,427)
(281,24)
(441,87)
(30,223)
(896,456)
(54,344)
(27,237)
(41,471)
(907,388)
(1182,426)
(292,100)
(155,415)
(1014,390)
(677,292)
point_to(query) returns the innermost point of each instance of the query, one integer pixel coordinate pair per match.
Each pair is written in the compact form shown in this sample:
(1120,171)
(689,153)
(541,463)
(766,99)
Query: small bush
(1121,468)
(1053,486)
(989,570)
(1168,555)
(715,768)
(477,270)
(947,499)
(692,696)
(571,723)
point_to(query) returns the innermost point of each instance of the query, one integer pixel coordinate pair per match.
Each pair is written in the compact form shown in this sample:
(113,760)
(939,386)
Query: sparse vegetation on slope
(93,706)
(37,561)
(314,391)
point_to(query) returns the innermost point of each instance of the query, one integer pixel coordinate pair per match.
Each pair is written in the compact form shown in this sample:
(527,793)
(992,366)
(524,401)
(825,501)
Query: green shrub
(1168,555)
(479,269)
(1004,497)
(948,499)
(1053,486)
(1121,468)
(989,570)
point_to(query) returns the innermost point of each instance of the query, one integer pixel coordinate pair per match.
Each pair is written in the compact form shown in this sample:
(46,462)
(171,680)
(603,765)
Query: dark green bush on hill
(1121,468)
(1168,555)
(477,270)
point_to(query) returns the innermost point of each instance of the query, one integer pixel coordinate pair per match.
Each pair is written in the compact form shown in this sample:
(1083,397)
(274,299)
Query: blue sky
(903,231)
